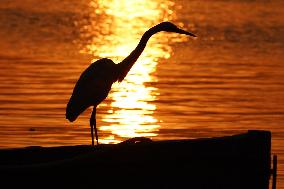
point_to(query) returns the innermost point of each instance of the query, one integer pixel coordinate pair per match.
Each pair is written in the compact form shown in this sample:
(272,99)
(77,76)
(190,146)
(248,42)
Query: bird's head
(170,27)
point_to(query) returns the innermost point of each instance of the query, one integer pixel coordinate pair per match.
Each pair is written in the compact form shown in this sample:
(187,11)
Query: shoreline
(238,161)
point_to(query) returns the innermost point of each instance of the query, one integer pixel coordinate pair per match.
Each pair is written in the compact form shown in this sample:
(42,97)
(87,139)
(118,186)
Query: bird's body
(95,82)
(92,87)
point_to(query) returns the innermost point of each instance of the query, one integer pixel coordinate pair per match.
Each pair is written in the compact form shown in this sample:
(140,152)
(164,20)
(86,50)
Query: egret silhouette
(95,82)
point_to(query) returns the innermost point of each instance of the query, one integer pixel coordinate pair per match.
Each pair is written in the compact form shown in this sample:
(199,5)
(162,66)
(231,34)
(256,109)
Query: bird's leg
(93,123)
(92,130)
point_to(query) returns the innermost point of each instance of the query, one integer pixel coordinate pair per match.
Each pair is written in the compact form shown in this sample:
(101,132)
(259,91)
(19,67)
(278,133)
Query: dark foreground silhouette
(95,82)
(232,162)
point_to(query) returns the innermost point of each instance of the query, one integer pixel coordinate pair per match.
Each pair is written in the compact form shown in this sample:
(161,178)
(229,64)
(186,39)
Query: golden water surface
(228,80)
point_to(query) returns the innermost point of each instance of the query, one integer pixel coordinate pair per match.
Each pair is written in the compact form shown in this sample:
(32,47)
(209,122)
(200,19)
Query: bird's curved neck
(128,62)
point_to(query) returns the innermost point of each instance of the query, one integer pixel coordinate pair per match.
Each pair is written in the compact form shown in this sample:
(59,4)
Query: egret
(95,82)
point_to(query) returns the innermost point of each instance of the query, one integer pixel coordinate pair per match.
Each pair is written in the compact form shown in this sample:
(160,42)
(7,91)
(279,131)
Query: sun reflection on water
(131,109)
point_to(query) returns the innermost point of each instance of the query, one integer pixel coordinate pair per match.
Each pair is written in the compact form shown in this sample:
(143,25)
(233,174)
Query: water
(228,80)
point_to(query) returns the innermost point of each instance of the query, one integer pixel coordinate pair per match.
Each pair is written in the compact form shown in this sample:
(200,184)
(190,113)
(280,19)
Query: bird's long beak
(185,32)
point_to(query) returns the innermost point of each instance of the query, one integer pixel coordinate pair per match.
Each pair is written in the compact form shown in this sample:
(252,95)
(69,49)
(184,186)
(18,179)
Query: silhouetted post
(274,172)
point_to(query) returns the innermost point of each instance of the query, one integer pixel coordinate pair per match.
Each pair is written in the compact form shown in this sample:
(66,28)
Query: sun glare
(131,109)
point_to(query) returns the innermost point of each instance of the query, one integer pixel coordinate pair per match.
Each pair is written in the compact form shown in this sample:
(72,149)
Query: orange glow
(131,109)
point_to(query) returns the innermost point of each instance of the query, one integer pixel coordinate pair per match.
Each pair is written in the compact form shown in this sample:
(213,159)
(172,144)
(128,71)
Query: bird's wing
(95,82)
